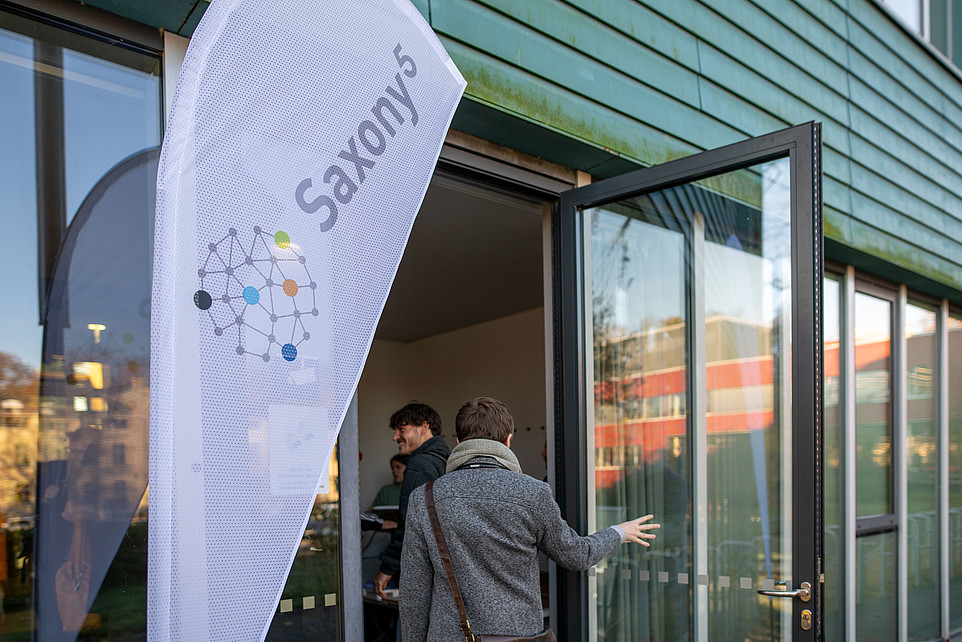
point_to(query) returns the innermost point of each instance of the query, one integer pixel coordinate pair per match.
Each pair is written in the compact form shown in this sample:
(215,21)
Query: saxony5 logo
(258,293)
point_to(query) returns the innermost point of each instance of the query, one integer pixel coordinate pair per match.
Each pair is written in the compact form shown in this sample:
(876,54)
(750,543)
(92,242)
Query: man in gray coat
(495,520)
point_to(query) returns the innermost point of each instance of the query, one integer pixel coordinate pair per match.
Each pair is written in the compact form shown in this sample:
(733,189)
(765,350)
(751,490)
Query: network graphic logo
(259,292)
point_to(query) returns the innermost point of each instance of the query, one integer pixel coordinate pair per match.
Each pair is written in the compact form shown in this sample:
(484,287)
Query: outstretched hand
(637,530)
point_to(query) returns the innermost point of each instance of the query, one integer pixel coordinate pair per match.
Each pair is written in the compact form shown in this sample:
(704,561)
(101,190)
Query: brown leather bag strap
(446,561)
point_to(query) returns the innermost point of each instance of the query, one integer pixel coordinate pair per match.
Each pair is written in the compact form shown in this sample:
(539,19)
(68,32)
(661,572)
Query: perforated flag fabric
(302,138)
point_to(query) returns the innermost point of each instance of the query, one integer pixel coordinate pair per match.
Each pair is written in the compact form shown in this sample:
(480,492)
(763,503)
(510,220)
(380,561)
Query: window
(937,21)
(910,11)
(78,116)
(921,439)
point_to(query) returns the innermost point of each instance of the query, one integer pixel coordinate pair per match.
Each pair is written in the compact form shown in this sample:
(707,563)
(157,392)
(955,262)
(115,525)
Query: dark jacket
(494,522)
(426,463)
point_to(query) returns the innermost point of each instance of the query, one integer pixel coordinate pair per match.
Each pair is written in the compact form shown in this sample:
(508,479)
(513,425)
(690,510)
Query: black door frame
(802,145)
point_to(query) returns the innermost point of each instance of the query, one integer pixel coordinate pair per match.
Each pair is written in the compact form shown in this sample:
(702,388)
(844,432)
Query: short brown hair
(484,418)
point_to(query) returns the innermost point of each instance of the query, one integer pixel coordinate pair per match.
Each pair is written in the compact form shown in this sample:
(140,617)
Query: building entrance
(465,318)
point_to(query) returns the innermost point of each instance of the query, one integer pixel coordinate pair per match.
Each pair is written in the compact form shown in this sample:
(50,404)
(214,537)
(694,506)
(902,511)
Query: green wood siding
(606,85)
(648,81)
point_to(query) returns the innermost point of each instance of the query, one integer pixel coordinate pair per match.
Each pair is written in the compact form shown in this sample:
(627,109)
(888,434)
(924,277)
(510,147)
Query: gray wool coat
(494,521)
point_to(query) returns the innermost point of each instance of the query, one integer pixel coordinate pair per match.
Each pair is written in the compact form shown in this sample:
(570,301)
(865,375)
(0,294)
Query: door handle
(803,592)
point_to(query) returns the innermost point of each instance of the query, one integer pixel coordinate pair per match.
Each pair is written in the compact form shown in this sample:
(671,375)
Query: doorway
(465,318)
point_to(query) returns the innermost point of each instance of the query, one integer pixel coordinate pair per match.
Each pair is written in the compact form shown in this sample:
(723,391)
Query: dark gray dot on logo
(266,357)
(212,247)
(257,229)
(314,312)
(201,273)
(239,320)
(301,260)
(232,232)
(249,261)
(269,283)
(313,285)
(272,339)
(273,318)
(225,299)
(230,271)
(240,349)
(202,299)
(218,331)
(307,335)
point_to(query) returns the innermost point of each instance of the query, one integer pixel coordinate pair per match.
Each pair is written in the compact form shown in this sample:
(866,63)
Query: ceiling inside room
(474,255)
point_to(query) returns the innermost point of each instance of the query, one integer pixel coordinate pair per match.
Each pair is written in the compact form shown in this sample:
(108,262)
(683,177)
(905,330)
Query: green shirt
(389,495)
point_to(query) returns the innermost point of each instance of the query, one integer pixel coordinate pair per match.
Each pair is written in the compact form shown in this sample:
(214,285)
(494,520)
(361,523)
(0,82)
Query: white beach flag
(301,141)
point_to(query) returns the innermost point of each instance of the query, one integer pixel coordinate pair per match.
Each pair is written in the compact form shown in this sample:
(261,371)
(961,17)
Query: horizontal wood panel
(657,79)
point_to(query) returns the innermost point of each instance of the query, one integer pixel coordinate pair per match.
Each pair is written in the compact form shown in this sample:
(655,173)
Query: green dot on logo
(282,240)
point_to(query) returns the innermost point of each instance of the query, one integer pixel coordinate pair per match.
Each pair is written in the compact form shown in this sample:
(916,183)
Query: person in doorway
(494,519)
(390,495)
(387,499)
(417,432)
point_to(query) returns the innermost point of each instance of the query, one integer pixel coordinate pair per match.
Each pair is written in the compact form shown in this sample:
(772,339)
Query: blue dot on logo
(289,352)
(251,295)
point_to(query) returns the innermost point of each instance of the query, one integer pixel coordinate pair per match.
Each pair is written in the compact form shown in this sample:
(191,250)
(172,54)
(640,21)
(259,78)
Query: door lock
(803,592)
(806,620)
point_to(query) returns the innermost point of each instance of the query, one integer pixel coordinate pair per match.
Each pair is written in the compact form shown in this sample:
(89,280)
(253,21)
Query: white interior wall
(503,358)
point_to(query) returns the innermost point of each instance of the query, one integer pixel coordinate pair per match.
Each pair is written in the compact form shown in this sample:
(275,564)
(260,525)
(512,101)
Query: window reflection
(84,120)
(643,251)
(875,592)
(873,398)
(834,503)
(955,472)
(641,438)
(922,473)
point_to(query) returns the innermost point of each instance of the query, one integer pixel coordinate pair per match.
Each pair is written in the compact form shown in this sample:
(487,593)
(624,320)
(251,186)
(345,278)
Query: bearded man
(417,432)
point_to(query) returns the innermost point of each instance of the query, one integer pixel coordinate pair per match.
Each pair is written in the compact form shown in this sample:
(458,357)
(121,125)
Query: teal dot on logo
(251,295)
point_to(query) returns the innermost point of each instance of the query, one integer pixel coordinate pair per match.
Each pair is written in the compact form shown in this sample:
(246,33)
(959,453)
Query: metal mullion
(570,411)
(699,454)
(942,449)
(351,604)
(847,390)
(899,437)
(589,437)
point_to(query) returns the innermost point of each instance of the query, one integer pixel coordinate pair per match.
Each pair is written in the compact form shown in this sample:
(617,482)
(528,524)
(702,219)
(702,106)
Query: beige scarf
(471,448)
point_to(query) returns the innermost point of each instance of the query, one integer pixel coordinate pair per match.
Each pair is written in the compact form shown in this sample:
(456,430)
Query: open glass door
(688,354)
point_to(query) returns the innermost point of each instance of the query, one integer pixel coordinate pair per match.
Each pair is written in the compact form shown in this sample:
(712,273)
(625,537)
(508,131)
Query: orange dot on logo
(290,287)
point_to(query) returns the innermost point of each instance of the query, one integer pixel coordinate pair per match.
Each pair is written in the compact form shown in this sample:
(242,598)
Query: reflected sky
(640,258)
(111,112)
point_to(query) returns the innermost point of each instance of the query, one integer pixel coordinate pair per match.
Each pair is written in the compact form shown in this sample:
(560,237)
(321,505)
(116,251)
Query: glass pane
(834,489)
(875,594)
(641,443)
(642,252)
(308,609)
(922,472)
(910,11)
(78,118)
(939,25)
(748,353)
(955,473)
(873,398)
